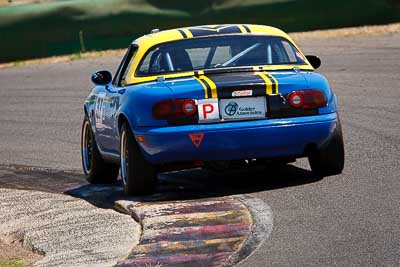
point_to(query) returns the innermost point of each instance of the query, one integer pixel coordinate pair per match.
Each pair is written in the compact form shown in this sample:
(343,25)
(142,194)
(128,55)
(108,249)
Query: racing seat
(181,60)
(179,57)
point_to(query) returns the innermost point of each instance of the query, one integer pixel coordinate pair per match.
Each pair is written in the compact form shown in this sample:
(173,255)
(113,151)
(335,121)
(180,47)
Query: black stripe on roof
(183,33)
(246,28)
(206,31)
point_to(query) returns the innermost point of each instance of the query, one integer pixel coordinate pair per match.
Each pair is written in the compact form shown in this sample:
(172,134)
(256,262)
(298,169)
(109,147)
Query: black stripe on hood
(228,83)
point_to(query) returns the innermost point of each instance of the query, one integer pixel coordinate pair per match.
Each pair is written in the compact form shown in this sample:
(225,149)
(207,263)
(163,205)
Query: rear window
(218,52)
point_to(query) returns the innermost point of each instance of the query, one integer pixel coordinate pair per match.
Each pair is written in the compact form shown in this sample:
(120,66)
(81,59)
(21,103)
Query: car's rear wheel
(138,175)
(329,159)
(96,170)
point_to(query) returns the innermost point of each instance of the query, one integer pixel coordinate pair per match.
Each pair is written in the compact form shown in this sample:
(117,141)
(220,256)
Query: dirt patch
(14,254)
(344,32)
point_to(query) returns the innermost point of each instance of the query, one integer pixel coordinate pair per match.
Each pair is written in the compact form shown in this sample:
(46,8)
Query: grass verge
(69,27)
(12,262)
(297,36)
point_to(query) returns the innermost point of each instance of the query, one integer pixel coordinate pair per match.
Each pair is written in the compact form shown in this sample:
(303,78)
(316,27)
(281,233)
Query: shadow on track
(180,185)
(200,184)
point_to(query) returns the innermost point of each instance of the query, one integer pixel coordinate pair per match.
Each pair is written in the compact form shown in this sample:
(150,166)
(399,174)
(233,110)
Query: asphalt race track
(349,219)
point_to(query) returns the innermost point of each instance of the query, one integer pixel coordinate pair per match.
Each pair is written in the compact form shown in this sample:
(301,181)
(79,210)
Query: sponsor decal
(251,107)
(231,108)
(299,55)
(196,139)
(242,93)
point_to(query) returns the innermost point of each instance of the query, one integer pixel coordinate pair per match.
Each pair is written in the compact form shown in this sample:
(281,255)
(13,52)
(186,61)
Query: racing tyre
(138,175)
(329,159)
(96,170)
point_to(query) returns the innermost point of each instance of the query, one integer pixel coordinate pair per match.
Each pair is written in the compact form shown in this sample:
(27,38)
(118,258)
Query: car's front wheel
(96,170)
(329,159)
(138,175)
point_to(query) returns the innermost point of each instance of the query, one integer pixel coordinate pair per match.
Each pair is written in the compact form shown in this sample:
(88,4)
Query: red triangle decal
(196,139)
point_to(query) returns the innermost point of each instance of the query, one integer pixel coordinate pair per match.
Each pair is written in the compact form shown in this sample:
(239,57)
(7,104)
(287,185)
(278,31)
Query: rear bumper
(236,140)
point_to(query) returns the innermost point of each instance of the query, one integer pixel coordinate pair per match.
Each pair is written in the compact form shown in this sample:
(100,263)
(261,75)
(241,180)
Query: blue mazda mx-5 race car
(206,96)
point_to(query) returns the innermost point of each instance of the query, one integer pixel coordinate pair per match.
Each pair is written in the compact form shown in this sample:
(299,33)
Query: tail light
(307,99)
(174,109)
(189,107)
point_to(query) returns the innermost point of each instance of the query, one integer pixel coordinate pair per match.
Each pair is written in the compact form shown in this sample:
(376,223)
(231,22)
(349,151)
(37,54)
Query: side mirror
(314,61)
(103,77)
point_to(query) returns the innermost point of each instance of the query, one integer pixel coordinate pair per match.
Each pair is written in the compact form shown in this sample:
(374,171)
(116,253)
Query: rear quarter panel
(138,100)
(318,81)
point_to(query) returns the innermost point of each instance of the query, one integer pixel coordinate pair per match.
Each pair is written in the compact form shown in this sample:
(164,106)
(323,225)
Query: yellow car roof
(145,42)
(158,37)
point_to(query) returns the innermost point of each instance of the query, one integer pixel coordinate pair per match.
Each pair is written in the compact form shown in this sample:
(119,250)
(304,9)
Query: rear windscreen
(218,52)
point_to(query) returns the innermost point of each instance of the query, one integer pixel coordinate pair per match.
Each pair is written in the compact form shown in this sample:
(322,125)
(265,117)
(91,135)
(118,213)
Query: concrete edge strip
(128,210)
(134,214)
(260,230)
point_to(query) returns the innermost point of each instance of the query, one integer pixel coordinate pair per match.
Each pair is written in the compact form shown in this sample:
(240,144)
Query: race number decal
(208,110)
(100,109)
